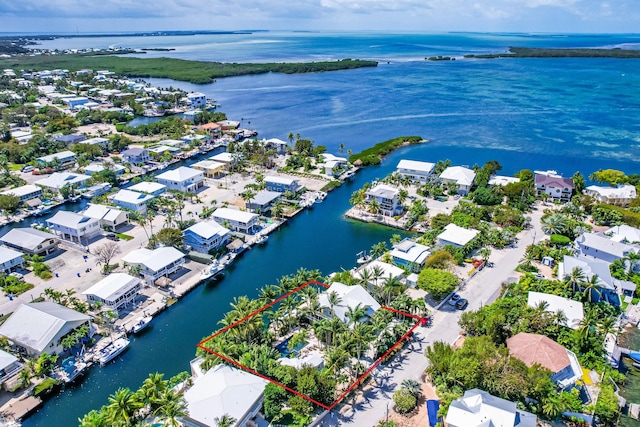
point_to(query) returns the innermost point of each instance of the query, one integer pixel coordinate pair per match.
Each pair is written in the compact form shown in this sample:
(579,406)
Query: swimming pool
(283,348)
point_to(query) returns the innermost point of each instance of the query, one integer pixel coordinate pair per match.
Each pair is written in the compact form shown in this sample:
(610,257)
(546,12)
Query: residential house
(386,196)
(348,297)
(115,292)
(456,236)
(262,201)
(416,171)
(409,254)
(334,165)
(9,366)
(30,241)
(459,175)
(57,180)
(624,233)
(132,200)
(593,269)
(136,155)
(155,263)
(183,179)
(224,390)
(601,247)
(223,158)
(73,138)
(229,124)
(279,145)
(244,222)
(282,184)
(76,102)
(573,310)
(501,180)
(109,217)
(621,195)
(196,100)
(100,142)
(211,168)
(74,227)
(25,192)
(98,167)
(10,260)
(378,272)
(212,129)
(554,185)
(158,151)
(149,187)
(538,349)
(205,236)
(477,408)
(64,159)
(39,327)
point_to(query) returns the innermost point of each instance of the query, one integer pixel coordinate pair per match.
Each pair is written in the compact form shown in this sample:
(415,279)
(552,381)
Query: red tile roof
(534,348)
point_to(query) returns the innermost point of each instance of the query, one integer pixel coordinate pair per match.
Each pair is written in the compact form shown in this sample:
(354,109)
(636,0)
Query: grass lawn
(124,236)
(15,166)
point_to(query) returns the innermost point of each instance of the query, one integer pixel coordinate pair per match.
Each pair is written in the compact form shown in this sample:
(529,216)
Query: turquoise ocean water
(563,114)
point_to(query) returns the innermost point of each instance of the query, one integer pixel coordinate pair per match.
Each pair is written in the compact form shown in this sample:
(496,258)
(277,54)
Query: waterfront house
(57,180)
(223,390)
(74,227)
(109,217)
(100,142)
(158,150)
(224,158)
(334,165)
(459,175)
(554,185)
(205,236)
(99,167)
(64,160)
(24,192)
(572,310)
(624,233)
(155,263)
(149,187)
(116,291)
(609,287)
(214,130)
(378,272)
(10,260)
(196,100)
(279,145)
(244,222)
(31,241)
(9,366)
(621,195)
(349,297)
(183,179)
(262,201)
(501,180)
(282,184)
(535,349)
(409,254)
(39,327)
(477,408)
(416,171)
(456,236)
(136,155)
(75,102)
(386,196)
(601,247)
(210,168)
(132,200)
(229,124)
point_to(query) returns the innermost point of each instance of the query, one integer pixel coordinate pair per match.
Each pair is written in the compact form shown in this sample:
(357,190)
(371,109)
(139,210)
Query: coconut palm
(334,300)
(575,279)
(224,421)
(355,314)
(591,286)
(171,407)
(555,223)
(152,389)
(94,419)
(361,336)
(123,405)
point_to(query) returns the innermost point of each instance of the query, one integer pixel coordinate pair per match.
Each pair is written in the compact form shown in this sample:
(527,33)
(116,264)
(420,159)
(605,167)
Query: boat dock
(18,405)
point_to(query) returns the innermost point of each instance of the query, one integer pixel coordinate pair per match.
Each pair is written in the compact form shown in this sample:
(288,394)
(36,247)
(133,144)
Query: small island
(537,52)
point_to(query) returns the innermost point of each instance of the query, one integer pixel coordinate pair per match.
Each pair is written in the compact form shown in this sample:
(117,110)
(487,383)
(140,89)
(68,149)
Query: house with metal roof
(601,247)
(477,408)
(573,310)
(624,233)
(131,200)
(262,201)
(593,269)
(65,159)
(57,180)
(211,168)
(183,179)
(39,327)
(108,216)
(25,192)
(205,236)
(156,263)
(386,196)
(99,167)
(10,260)
(74,227)
(409,254)
(149,187)
(136,155)
(9,366)
(378,272)
(30,240)
(101,142)
(349,297)
(415,170)
(502,180)
(456,236)
(620,195)
(116,291)
(459,175)
(244,222)
(282,184)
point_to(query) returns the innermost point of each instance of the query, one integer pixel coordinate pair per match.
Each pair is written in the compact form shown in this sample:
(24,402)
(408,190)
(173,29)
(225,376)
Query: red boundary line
(357,382)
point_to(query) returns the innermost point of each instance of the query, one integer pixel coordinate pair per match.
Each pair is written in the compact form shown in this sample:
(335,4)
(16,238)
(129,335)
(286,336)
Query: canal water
(631,389)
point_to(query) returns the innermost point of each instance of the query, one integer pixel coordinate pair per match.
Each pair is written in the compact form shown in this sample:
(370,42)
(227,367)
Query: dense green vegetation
(531,52)
(198,72)
(372,156)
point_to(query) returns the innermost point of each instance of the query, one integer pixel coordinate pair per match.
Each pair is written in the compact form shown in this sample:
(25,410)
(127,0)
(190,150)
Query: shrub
(405,401)
(559,240)
(47,385)
(438,283)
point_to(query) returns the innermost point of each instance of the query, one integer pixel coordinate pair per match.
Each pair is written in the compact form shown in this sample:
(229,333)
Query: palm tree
(575,278)
(555,223)
(485,253)
(123,405)
(362,335)
(412,386)
(152,389)
(392,286)
(354,314)
(334,300)
(94,419)
(374,207)
(591,286)
(552,407)
(224,421)
(171,407)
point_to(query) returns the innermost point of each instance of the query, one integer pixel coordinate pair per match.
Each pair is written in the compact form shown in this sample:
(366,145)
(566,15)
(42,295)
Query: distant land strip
(198,72)
(540,52)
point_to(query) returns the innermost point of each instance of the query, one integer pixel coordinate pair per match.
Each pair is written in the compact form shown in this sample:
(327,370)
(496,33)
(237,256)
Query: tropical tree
(224,421)
(591,287)
(122,407)
(412,386)
(555,223)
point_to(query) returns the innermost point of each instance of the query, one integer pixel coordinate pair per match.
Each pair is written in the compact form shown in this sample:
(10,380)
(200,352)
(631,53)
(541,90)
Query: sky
(547,16)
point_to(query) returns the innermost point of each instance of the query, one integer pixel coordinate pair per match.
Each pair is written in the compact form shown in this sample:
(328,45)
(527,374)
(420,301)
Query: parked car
(462,303)
(540,276)
(27,168)
(17,275)
(112,236)
(454,298)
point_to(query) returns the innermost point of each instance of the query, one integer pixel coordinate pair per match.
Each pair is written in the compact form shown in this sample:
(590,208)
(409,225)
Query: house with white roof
(282,184)
(278,144)
(349,297)
(74,227)
(416,171)
(378,272)
(101,142)
(99,167)
(590,268)
(136,155)
(159,150)
(334,165)
(262,201)
(116,291)
(109,217)
(244,222)
(57,180)
(205,236)
(554,185)
(196,100)
(459,175)
(573,310)
(600,247)
(131,200)
(386,196)
(621,195)
(10,260)
(39,327)
(155,263)
(149,187)
(224,390)
(477,408)
(409,254)
(9,366)
(30,240)
(65,159)
(183,179)
(624,233)
(456,236)
(222,158)
(25,192)
(211,168)
(502,180)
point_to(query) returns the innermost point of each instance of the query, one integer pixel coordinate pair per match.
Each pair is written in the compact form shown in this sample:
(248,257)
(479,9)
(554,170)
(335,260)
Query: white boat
(112,349)
(140,323)
(211,270)
(260,238)
(363,258)
(228,259)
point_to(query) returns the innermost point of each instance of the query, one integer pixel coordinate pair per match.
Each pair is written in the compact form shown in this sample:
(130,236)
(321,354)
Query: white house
(25,192)
(210,168)
(624,233)
(108,216)
(245,222)
(10,260)
(410,254)
(197,100)
(501,180)
(116,291)
(282,184)
(224,390)
(148,187)
(603,248)
(573,310)
(99,167)
(183,179)
(590,267)
(39,327)
(65,159)
(334,165)
(136,155)
(30,240)
(348,297)
(101,142)
(415,170)
(57,180)
(554,185)
(9,366)
(382,270)
(621,195)
(132,200)
(73,227)
(456,236)
(205,236)
(477,408)
(278,144)
(155,263)
(386,196)
(459,175)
